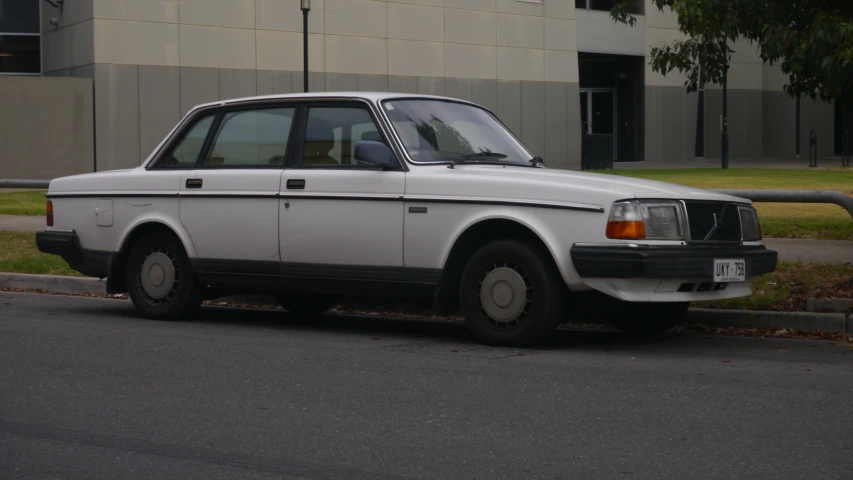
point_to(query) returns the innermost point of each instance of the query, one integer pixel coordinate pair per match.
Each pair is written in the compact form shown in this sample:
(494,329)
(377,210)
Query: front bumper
(66,244)
(647,261)
(644,273)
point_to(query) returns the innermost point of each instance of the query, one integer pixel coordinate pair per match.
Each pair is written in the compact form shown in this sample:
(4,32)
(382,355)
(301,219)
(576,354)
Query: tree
(811,40)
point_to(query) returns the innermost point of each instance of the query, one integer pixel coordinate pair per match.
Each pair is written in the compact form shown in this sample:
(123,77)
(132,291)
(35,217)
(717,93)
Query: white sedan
(317,198)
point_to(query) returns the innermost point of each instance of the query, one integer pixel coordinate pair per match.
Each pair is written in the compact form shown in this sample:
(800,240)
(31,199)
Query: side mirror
(375,154)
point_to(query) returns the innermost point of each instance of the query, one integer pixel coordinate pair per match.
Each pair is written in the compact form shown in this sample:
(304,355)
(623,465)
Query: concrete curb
(827,322)
(53,283)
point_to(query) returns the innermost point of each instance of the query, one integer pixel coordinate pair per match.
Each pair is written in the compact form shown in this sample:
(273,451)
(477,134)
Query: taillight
(49,213)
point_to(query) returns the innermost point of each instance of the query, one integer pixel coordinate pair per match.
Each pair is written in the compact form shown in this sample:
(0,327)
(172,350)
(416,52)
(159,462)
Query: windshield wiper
(485,154)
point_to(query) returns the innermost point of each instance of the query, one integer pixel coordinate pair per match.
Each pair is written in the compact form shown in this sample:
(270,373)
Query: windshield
(436,131)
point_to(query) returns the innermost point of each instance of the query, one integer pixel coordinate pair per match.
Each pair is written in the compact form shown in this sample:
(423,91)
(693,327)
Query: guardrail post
(845,154)
(813,149)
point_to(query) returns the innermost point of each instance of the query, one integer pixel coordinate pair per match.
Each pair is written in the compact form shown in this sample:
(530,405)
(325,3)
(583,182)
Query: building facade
(573,85)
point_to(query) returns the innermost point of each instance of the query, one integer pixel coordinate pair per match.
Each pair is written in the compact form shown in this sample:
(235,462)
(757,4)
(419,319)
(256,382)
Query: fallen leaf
(726,361)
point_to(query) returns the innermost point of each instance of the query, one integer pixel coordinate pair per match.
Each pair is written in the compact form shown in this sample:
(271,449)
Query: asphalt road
(88,390)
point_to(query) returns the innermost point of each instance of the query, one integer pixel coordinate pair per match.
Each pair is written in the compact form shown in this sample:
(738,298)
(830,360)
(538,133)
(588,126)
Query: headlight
(749,224)
(650,220)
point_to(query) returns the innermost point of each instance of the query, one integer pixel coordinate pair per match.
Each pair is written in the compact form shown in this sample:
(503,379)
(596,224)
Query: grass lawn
(783,220)
(22,203)
(790,286)
(18,254)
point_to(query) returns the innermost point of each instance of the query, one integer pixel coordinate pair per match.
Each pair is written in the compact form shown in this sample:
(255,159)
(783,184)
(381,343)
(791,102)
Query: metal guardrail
(795,196)
(13,183)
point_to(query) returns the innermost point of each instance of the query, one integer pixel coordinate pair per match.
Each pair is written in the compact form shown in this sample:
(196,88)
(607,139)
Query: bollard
(845,154)
(813,149)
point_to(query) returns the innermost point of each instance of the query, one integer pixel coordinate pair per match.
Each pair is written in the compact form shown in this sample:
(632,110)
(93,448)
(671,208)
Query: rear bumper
(644,261)
(66,244)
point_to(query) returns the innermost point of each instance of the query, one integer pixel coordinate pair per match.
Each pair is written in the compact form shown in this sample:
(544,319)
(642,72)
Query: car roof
(370,96)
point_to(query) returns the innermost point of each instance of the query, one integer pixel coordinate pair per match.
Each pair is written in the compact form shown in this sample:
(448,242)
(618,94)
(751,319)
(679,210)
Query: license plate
(727,271)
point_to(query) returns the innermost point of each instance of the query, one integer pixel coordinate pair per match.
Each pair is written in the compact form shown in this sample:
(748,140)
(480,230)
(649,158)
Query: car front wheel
(160,280)
(510,294)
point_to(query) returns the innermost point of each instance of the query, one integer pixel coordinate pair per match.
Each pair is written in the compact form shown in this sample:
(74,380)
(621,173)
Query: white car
(321,197)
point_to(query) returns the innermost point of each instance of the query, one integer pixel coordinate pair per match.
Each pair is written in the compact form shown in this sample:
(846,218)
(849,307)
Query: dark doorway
(611,104)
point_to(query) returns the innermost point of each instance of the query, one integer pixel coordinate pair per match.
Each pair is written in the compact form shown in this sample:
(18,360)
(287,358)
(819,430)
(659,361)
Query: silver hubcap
(158,277)
(504,295)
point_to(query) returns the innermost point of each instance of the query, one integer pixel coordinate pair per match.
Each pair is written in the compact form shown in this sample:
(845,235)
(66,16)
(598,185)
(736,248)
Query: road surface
(89,390)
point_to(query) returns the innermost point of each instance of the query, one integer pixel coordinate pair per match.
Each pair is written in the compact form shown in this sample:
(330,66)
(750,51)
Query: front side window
(436,131)
(188,148)
(332,132)
(252,138)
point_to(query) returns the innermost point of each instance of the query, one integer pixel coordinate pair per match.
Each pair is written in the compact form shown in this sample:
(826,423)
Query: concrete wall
(155,59)
(46,127)
(152,60)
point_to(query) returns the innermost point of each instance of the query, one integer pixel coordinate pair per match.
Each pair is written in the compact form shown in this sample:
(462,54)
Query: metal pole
(726,118)
(305,48)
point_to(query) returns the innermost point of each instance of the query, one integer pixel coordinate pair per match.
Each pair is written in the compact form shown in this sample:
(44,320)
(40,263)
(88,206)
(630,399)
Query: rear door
(229,202)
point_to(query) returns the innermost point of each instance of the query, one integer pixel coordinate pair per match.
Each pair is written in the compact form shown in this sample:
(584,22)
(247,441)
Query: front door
(229,201)
(598,128)
(338,219)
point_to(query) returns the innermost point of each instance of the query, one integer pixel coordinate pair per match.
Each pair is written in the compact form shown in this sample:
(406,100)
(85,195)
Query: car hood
(551,184)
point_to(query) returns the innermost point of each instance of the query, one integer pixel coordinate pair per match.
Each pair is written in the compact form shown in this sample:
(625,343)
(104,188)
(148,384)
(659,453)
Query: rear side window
(252,138)
(188,148)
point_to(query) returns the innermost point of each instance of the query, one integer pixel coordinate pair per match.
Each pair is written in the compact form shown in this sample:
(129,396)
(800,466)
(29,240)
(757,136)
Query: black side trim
(238,267)
(362,273)
(509,203)
(666,262)
(429,276)
(92,263)
(338,280)
(401,198)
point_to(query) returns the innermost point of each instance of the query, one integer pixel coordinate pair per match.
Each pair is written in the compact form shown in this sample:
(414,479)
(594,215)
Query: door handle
(194,183)
(296,184)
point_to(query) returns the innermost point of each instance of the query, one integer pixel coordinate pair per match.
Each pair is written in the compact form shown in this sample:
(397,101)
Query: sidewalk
(812,251)
(16,223)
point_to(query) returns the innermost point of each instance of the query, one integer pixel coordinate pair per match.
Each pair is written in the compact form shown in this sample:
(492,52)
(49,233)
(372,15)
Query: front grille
(713,222)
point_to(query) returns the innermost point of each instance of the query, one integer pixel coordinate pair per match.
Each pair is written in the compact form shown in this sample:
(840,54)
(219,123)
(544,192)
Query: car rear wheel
(306,304)
(510,294)
(160,280)
(646,318)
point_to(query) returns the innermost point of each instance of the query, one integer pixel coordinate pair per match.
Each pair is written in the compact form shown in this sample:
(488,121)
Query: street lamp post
(306,7)
(726,118)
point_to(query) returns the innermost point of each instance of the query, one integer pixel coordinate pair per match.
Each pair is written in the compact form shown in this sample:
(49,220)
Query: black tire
(305,304)
(499,267)
(158,253)
(646,318)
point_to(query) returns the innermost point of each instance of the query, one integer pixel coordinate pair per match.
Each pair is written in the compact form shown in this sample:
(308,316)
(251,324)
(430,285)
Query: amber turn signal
(629,230)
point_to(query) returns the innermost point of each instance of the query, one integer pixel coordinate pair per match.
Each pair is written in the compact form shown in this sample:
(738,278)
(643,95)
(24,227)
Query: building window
(20,37)
(637,7)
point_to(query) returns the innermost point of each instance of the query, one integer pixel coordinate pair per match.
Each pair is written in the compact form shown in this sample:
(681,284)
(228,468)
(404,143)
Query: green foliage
(811,40)
(19,254)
